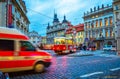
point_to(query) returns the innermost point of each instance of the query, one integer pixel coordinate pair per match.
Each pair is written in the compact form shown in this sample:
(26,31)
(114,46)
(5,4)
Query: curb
(79,55)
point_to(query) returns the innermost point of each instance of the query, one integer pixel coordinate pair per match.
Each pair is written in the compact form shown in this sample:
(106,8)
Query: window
(87,25)
(96,23)
(92,25)
(116,7)
(6,45)
(26,46)
(93,16)
(111,33)
(111,21)
(100,23)
(34,41)
(106,33)
(106,22)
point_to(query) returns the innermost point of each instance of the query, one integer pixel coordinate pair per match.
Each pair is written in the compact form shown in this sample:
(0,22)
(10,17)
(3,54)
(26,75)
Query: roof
(77,28)
(11,33)
(62,38)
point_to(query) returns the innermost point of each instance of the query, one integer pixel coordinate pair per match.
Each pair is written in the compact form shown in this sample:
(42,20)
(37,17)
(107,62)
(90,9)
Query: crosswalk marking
(114,69)
(107,55)
(90,74)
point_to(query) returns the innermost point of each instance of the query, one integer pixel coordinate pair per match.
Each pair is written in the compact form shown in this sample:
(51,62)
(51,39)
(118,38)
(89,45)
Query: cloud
(41,11)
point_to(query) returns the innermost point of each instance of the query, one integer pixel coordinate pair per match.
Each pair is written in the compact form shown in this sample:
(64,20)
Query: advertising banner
(9,15)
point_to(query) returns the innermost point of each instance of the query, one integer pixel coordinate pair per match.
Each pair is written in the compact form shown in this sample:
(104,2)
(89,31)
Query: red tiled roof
(78,28)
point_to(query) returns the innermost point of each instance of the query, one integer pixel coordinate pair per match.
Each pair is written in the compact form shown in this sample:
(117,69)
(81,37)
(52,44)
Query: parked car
(113,48)
(109,47)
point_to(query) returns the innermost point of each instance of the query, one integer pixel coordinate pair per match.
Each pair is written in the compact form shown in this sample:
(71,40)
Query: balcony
(100,38)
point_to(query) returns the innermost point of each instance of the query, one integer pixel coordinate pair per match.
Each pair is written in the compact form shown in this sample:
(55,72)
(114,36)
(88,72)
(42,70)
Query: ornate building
(56,30)
(116,10)
(35,38)
(13,15)
(43,40)
(99,26)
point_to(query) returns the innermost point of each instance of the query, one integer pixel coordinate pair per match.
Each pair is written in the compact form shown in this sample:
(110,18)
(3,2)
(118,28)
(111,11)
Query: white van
(17,53)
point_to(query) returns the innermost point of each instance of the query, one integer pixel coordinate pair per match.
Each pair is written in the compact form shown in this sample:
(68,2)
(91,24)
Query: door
(6,54)
(26,54)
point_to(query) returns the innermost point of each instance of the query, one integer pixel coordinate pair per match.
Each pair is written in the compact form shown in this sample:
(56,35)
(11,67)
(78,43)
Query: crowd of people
(84,47)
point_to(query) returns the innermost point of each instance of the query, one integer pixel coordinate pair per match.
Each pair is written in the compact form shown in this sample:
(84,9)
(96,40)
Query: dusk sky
(41,12)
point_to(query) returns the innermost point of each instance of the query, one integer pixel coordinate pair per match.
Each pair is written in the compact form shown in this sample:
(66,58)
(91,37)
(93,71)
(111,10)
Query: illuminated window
(106,33)
(111,21)
(96,16)
(89,25)
(100,23)
(106,22)
(93,17)
(97,23)
(111,33)
(92,25)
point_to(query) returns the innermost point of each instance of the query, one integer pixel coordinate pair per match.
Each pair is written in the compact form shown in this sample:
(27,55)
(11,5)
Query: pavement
(87,67)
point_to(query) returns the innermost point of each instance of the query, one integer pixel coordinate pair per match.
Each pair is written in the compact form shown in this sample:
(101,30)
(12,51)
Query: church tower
(64,20)
(55,20)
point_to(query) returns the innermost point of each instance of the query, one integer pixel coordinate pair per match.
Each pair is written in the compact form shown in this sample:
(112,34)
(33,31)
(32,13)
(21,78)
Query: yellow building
(99,26)
(77,33)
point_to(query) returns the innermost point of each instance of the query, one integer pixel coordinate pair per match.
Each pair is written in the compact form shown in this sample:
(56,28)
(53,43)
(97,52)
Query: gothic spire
(55,18)
(64,20)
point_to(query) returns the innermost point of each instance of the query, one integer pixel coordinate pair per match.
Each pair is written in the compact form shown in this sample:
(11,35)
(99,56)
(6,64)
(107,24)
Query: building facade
(77,33)
(13,15)
(56,30)
(43,40)
(116,10)
(99,26)
(35,38)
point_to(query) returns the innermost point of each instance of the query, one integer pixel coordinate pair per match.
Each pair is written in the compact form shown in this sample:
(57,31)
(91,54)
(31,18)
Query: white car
(107,47)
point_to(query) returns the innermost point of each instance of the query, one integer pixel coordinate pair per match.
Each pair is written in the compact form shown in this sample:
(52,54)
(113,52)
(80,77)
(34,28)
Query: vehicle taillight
(64,47)
(53,48)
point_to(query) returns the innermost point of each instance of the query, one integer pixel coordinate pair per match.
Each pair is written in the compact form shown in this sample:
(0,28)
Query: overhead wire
(40,13)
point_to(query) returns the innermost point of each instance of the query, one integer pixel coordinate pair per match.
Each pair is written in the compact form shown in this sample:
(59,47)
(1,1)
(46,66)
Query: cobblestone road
(76,67)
